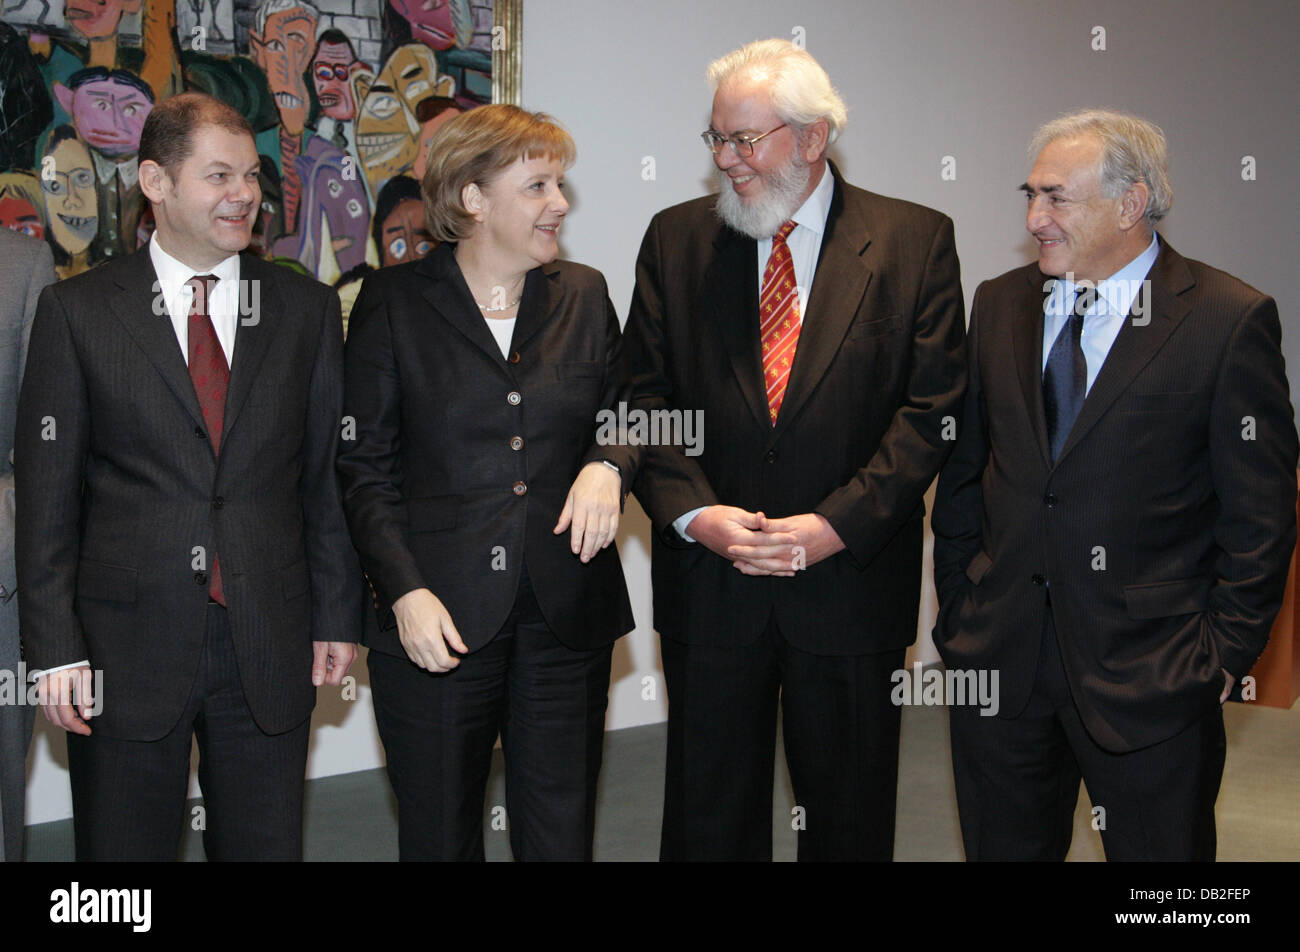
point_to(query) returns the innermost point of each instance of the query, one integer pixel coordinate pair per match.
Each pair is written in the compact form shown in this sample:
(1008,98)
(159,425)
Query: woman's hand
(592,508)
(425,628)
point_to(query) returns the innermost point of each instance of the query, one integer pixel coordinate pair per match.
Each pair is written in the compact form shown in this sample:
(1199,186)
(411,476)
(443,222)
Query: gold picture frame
(507,51)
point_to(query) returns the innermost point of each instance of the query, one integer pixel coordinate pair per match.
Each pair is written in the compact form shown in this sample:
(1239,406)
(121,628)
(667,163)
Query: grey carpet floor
(353,817)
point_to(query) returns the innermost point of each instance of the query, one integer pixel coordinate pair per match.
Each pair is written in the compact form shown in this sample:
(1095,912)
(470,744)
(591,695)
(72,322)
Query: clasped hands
(757,545)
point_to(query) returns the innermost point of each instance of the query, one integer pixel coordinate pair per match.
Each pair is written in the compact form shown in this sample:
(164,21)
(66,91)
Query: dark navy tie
(1065,379)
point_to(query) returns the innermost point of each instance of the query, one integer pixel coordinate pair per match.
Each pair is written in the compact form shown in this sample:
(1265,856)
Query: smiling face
(283,52)
(331,71)
(404,236)
(1078,229)
(70,197)
(761,191)
(387,130)
(519,213)
(430,21)
(205,210)
(108,114)
(96,19)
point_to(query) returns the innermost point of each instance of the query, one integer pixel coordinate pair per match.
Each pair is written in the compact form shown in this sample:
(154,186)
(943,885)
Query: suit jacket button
(1050,499)
(516,443)
(201,578)
(514,358)
(218,502)
(520,488)
(771,456)
(1038,580)
(513,398)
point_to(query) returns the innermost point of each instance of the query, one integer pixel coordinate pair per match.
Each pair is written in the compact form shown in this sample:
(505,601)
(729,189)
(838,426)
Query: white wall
(923,79)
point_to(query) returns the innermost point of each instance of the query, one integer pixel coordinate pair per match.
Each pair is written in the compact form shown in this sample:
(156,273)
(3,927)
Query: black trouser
(841,745)
(128,797)
(1018,780)
(546,700)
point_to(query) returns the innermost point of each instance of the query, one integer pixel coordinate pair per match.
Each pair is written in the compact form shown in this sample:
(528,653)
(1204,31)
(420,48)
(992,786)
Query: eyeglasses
(326,71)
(743,145)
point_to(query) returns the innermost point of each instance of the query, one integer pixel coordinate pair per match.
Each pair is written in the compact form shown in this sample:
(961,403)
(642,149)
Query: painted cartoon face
(95,19)
(342,201)
(283,53)
(108,114)
(404,236)
(427,129)
(387,130)
(17,214)
(430,21)
(331,71)
(70,197)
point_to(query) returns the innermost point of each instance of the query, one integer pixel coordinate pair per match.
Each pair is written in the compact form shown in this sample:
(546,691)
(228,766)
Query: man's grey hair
(1132,150)
(801,91)
(270,7)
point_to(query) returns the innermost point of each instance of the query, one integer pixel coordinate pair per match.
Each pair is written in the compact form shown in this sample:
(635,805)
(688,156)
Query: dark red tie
(778,327)
(211,375)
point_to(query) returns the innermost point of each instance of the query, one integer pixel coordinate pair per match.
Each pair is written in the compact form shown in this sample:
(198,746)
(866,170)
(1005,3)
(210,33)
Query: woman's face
(70,197)
(520,212)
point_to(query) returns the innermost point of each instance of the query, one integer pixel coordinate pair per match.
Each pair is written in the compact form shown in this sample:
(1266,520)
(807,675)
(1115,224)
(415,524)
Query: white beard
(764,216)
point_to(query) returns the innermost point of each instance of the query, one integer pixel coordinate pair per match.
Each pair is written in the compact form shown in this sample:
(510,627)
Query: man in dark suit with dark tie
(181,532)
(1114,528)
(819,329)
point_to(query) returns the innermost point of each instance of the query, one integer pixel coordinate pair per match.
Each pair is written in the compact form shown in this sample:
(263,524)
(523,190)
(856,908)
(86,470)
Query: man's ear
(154,181)
(64,95)
(1133,205)
(813,140)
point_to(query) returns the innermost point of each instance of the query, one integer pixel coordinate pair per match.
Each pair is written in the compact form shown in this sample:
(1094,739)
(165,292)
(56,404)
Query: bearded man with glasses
(820,329)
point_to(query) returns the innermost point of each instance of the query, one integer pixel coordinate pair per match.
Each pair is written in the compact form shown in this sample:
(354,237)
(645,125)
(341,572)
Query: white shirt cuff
(35,675)
(681,522)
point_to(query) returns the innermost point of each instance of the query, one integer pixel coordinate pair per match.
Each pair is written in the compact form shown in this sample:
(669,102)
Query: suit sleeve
(959,500)
(338,594)
(617,388)
(50,448)
(872,507)
(42,276)
(670,482)
(1253,454)
(369,462)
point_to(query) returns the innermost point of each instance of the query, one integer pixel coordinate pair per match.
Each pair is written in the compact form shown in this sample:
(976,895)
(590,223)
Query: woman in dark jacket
(482,504)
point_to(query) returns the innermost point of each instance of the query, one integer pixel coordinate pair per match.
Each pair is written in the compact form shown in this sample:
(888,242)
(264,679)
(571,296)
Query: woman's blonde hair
(475,147)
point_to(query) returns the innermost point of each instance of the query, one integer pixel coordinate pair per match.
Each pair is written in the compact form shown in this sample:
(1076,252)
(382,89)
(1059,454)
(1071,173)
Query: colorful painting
(343,96)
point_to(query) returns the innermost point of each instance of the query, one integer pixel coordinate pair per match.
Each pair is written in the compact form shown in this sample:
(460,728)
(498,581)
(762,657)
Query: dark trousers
(128,797)
(841,745)
(1018,780)
(546,700)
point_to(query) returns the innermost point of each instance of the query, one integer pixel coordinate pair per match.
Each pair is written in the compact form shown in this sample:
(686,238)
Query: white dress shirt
(1102,324)
(805,244)
(223,303)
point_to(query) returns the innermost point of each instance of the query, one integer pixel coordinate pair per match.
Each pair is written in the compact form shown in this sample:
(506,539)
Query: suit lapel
(1027,345)
(449,295)
(838,286)
(539,301)
(138,304)
(1136,343)
(732,286)
(253,332)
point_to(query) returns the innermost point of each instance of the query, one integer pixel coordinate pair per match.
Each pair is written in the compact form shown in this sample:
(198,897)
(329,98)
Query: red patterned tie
(211,375)
(778,327)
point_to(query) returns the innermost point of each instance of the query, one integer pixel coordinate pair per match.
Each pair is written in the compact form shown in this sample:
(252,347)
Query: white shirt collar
(1116,294)
(173,273)
(816,208)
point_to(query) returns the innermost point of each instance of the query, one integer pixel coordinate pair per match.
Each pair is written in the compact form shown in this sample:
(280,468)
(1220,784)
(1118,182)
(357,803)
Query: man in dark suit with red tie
(182,552)
(1114,528)
(819,329)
